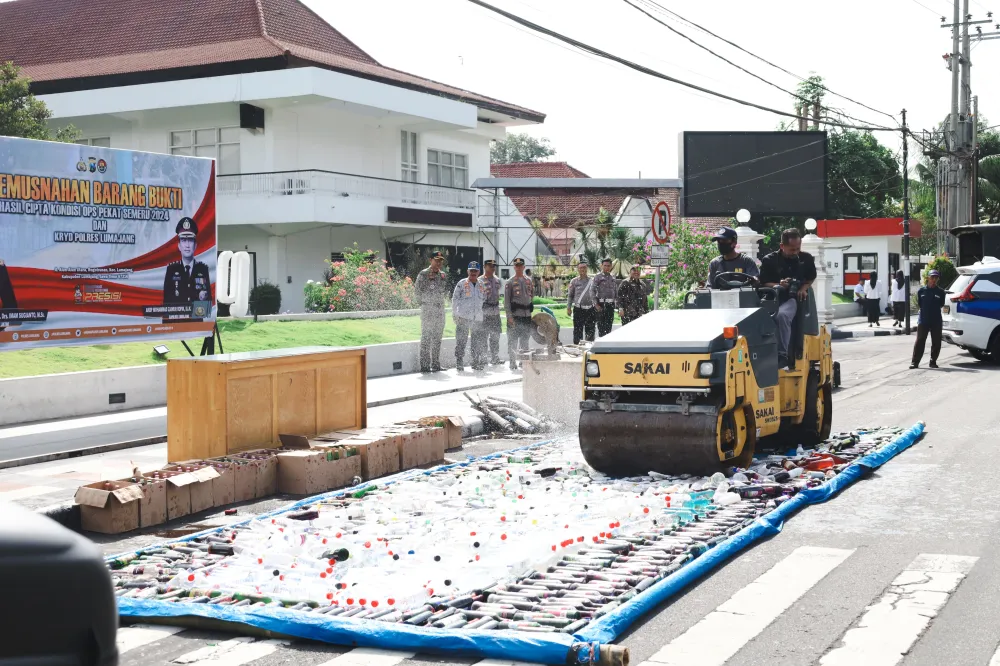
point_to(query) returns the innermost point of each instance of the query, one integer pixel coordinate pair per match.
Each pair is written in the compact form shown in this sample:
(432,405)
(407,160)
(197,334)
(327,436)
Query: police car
(972,310)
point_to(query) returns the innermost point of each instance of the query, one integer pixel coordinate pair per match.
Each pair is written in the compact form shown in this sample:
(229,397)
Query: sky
(612,122)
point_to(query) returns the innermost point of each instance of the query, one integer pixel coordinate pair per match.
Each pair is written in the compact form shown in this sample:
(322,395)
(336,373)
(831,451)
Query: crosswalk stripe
(138,635)
(234,652)
(369,657)
(892,624)
(995,661)
(721,633)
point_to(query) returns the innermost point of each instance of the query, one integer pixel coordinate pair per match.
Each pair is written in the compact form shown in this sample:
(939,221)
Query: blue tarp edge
(606,629)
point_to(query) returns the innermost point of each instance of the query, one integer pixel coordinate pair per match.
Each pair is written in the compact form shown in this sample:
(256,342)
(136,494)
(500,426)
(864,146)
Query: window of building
(408,155)
(448,169)
(221,143)
(101,142)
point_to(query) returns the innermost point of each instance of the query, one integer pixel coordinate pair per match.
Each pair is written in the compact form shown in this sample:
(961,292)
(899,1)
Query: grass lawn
(841,298)
(237,336)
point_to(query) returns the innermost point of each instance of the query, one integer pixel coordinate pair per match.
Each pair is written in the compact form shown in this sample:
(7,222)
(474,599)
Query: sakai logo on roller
(645,368)
(766,413)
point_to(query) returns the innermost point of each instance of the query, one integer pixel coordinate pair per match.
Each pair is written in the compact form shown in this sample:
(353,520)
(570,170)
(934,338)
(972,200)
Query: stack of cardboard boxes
(301,467)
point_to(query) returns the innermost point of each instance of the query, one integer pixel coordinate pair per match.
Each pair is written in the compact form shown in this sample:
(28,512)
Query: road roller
(699,389)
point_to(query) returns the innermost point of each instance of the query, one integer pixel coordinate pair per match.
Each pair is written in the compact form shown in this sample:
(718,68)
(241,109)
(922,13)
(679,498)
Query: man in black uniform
(792,271)
(187,280)
(729,260)
(930,299)
(7,300)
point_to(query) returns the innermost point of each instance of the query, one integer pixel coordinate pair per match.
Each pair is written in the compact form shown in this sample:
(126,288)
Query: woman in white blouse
(898,299)
(873,298)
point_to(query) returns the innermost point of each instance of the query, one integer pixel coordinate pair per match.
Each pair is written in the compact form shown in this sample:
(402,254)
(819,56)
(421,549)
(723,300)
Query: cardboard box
(453,428)
(109,507)
(303,472)
(200,484)
(224,485)
(266,463)
(153,505)
(379,457)
(178,492)
(244,477)
(342,467)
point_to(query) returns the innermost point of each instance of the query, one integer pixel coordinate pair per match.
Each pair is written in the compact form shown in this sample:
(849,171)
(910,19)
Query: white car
(972,310)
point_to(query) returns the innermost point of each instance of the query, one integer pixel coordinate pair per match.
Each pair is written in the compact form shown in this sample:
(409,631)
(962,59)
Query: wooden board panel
(250,418)
(337,397)
(296,398)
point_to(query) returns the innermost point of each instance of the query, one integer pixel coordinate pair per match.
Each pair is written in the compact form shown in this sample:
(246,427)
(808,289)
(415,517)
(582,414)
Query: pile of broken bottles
(531,541)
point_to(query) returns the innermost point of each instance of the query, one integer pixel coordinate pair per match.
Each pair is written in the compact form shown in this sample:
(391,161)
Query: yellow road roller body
(699,389)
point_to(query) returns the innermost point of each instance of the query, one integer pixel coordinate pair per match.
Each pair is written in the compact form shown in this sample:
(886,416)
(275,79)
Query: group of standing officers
(475,303)
(475,307)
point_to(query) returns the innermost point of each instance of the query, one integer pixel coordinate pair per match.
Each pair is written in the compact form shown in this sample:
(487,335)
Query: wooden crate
(225,404)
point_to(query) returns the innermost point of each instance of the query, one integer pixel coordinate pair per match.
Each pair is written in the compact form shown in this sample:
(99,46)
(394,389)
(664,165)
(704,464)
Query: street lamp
(811,225)
(742,216)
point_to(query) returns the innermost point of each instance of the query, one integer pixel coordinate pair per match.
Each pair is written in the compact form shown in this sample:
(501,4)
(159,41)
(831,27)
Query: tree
(520,148)
(21,114)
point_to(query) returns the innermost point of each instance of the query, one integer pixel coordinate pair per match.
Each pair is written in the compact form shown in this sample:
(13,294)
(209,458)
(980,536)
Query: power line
(750,161)
(768,62)
(926,7)
(652,72)
(730,62)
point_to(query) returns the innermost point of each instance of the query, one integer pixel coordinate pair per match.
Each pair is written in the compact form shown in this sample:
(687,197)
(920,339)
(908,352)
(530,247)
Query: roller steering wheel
(741,280)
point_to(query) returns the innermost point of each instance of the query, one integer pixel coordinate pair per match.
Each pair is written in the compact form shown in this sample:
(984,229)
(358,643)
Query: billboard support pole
(656,290)
(906,220)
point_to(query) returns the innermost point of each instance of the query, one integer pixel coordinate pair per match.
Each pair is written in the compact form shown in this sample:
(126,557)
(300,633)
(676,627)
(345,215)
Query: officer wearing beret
(187,280)
(7,300)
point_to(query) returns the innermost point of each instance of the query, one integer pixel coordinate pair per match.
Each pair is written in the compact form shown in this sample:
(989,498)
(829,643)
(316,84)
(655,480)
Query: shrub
(360,282)
(945,267)
(265,299)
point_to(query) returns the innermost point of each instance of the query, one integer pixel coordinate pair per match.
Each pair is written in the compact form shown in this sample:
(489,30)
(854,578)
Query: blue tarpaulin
(549,648)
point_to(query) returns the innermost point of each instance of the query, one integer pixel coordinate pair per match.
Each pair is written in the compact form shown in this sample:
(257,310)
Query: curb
(77,453)
(838,334)
(65,513)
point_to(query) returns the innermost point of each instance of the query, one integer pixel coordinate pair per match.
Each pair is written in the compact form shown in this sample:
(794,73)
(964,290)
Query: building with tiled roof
(318,145)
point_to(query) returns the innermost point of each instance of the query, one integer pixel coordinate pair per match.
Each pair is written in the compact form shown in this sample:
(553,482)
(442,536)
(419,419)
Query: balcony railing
(293,183)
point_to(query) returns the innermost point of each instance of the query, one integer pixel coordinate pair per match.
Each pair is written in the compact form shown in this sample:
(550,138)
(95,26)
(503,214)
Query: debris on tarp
(533,540)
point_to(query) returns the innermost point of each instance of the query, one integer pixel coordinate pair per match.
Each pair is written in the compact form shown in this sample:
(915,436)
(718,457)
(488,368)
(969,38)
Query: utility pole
(951,184)
(906,217)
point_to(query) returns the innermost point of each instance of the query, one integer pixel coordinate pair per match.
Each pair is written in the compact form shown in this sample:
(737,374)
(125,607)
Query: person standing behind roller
(518,303)
(605,291)
(431,288)
(580,301)
(632,297)
(491,287)
(467,309)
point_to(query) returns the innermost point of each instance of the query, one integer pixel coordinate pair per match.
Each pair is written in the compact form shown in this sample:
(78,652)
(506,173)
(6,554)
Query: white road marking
(890,626)
(234,652)
(721,633)
(372,657)
(31,491)
(138,635)
(995,661)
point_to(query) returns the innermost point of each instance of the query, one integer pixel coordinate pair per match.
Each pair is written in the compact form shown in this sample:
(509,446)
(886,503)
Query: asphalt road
(917,542)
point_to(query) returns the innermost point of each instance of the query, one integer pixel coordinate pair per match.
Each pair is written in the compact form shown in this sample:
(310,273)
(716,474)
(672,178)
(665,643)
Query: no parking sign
(660,223)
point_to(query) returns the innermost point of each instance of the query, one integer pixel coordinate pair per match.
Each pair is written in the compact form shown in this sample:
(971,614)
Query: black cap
(519,262)
(489,262)
(186,228)
(437,255)
(725,233)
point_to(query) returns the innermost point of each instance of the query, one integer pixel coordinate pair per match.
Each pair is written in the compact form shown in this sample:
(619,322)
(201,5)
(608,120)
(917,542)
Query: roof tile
(535,170)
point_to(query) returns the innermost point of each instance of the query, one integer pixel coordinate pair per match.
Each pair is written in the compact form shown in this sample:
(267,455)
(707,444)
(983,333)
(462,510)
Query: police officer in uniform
(518,301)
(606,290)
(187,280)
(431,288)
(7,300)
(491,287)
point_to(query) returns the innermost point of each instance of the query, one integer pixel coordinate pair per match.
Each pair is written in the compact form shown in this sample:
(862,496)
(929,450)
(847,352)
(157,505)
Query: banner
(100,245)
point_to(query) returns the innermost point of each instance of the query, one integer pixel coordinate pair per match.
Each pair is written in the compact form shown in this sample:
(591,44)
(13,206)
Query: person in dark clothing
(792,271)
(729,260)
(632,297)
(930,300)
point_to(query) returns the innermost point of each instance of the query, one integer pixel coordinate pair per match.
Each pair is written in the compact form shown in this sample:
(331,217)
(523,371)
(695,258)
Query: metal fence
(292,183)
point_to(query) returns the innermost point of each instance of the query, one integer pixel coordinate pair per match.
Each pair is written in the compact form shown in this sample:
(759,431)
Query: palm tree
(989,188)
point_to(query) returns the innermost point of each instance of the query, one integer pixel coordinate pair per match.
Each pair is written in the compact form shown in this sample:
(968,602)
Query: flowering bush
(360,282)
(691,252)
